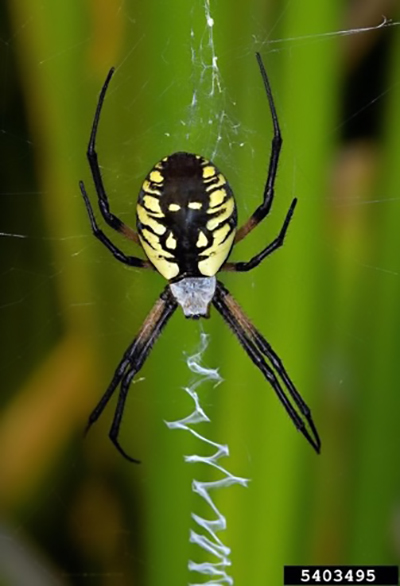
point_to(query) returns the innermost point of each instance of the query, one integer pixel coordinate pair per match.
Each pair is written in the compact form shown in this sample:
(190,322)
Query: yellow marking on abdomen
(152,203)
(220,235)
(195,205)
(159,257)
(170,241)
(218,183)
(147,188)
(226,212)
(152,240)
(201,240)
(216,198)
(156,177)
(147,220)
(216,256)
(174,207)
(208,172)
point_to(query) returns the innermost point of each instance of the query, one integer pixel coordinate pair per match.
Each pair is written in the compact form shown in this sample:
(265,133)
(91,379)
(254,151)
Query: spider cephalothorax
(186,225)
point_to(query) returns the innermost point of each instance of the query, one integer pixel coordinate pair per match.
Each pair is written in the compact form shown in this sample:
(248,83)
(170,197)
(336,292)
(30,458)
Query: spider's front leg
(104,206)
(264,208)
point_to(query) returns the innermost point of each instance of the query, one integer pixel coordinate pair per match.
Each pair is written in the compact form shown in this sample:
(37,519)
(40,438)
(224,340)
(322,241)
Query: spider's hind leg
(116,424)
(257,347)
(132,362)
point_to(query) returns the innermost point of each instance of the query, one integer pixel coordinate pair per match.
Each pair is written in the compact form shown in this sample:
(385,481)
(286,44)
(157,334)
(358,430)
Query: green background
(72,509)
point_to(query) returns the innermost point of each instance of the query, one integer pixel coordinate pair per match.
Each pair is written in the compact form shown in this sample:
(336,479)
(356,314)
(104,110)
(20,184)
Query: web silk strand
(207,539)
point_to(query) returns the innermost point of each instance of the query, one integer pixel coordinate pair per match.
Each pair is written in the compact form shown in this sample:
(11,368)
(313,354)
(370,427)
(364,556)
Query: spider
(187,227)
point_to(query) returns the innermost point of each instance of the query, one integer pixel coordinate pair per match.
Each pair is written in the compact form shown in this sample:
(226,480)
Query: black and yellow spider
(187,226)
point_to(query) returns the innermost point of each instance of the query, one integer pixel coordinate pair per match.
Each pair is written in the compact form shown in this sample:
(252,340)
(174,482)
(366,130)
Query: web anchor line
(208,539)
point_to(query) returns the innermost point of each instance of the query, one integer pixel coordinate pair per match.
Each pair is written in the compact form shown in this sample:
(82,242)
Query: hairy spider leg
(132,362)
(255,346)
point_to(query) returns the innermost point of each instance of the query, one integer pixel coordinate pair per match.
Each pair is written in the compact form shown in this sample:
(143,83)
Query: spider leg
(118,376)
(257,347)
(104,206)
(265,207)
(132,362)
(268,351)
(277,243)
(116,424)
(132,261)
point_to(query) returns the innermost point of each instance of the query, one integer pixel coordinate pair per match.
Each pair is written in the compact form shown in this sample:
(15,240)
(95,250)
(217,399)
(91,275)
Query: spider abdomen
(186,217)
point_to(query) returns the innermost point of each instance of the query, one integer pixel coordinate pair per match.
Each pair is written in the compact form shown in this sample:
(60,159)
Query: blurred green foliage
(72,509)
